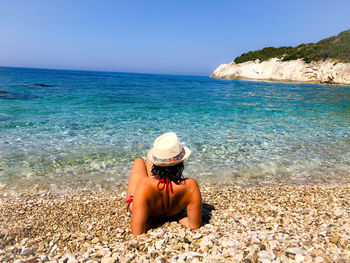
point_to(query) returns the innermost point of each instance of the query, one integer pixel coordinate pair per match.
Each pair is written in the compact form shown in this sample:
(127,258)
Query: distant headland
(327,61)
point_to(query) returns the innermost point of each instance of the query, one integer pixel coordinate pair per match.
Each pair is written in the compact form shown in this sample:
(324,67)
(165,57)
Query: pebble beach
(305,223)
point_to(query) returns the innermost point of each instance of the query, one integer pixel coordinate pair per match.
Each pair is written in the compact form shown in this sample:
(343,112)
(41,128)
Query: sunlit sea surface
(84,127)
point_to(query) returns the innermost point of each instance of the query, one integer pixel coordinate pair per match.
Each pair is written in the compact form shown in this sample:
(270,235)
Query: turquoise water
(89,126)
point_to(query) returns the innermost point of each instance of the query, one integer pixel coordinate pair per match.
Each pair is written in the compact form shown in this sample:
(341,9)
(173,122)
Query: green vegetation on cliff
(336,47)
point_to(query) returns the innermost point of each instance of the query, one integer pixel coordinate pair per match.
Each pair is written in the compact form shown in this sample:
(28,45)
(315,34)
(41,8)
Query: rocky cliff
(328,71)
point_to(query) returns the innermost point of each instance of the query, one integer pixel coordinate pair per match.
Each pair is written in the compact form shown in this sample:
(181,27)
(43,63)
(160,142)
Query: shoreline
(305,223)
(281,81)
(66,184)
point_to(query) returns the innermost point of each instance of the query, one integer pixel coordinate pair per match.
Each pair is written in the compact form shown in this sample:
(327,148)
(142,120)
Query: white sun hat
(167,150)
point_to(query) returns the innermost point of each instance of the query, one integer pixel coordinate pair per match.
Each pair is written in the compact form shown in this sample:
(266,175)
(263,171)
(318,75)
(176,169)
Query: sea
(81,128)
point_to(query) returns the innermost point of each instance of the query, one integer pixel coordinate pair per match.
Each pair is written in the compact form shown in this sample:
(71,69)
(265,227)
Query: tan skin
(150,202)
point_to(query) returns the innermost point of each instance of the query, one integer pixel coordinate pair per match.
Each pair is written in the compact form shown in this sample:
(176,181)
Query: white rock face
(274,69)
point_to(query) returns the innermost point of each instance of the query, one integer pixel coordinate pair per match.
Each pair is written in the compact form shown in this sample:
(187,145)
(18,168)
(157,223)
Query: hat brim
(187,154)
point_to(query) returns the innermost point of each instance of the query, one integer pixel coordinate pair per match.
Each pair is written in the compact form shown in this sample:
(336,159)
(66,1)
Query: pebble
(108,260)
(294,251)
(299,258)
(266,224)
(264,254)
(316,252)
(27,251)
(283,258)
(159,244)
(239,256)
(338,213)
(323,233)
(30,260)
(161,260)
(71,258)
(44,258)
(334,239)
(95,240)
(24,241)
(197,236)
(319,260)
(53,248)
(190,255)
(105,252)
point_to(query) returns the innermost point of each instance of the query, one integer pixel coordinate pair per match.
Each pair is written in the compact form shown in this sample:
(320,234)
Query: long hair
(173,173)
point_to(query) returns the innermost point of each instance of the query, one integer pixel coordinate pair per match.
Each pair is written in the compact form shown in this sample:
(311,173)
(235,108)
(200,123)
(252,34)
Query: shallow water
(89,126)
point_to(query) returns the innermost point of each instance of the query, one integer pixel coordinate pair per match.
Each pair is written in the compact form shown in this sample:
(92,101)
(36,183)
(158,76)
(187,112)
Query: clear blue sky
(168,37)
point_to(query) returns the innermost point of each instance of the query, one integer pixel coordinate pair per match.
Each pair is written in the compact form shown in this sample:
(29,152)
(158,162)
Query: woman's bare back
(156,198)
(167,200)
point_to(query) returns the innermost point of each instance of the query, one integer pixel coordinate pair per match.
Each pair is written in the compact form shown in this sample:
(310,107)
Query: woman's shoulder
(191,181)
(144,184)
(150,183)
(190,184)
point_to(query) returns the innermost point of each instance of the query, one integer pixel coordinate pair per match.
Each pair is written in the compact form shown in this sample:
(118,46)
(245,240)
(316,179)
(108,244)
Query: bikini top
(165,183)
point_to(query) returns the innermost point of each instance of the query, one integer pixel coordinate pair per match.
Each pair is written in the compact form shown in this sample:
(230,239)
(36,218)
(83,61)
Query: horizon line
(104,71)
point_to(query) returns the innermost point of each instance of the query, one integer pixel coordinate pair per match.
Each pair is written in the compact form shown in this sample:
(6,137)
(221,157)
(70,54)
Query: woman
(159,189)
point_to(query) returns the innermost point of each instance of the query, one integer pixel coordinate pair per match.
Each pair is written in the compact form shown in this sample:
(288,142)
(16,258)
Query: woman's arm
(139,217)
(194,207)
(149,164)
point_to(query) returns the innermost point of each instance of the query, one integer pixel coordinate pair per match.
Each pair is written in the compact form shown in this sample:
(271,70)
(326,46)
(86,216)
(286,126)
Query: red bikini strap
(128,202)
(165,183)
